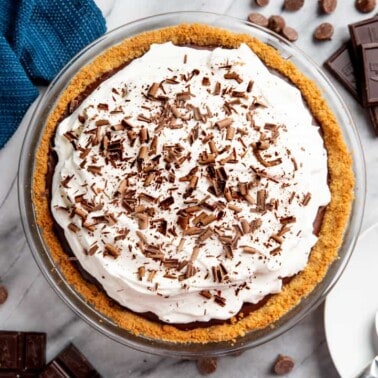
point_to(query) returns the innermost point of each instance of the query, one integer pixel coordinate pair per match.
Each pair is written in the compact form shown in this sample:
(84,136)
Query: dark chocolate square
(11,351)
(76,363)
(369,54)
(54,370)
(70,363)
(35,347)
(362,32)
(341,65)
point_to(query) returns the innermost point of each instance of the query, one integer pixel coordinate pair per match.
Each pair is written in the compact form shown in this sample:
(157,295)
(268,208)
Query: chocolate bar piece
(22,352)
(373,114)
(341,66)
(362,32)
(369,54)
(70,363)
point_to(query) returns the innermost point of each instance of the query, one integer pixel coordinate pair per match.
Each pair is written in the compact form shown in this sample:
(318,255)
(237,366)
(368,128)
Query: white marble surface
(32,304)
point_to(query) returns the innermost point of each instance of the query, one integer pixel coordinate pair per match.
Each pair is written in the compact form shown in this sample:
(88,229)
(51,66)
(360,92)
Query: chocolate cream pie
(198,184)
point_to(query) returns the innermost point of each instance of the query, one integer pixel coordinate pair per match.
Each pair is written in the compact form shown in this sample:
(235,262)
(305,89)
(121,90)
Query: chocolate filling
(246,309)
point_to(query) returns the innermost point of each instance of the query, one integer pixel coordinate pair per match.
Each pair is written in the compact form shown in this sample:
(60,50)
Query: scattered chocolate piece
(22,352)
(283,365)
(328,6)
(207,365)
(365,6)
(262,3)
(293,5)
(373,114)
(289,33)
(70,363)
(369,53)
(340,64)
(276,23)
(365,31)
(323,32)
(3,294)
(258,19)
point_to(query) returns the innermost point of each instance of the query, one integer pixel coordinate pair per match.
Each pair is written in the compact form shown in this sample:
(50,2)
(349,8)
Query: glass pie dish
(51,269)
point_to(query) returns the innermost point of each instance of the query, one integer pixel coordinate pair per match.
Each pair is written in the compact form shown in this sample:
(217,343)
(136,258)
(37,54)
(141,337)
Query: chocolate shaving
(195,253)
(92,250)
(261,200)
(287,220)
(250,250)
(180,245)
(73,227)
(217,89)
(152,91)
(142,221)
(306,199)
(190,270)
(207,233)
(234,208)
(141,272)
(233,76)
(226,122)
(249,86)
(206,294)
(112,250)
(151,275)
(230,133)
(192,231)
(219,300)
(166,203)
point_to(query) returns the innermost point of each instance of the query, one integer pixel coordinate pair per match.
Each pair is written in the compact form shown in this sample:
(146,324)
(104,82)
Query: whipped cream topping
(188,182)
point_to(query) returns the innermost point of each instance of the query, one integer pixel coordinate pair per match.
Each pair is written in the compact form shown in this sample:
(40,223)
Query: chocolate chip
(276,23)
(293,5)
(262,3)
(327,6)
(258,19)
(3,294)
(365,6)
(289,33)
(283,365)
(323,32)
(207,365)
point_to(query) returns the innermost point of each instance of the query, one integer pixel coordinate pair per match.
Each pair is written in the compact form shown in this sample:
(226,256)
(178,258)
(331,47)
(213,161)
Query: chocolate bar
(369,54)
(340,64)
(373,114)
(362,32)
(70,363)
(22,352)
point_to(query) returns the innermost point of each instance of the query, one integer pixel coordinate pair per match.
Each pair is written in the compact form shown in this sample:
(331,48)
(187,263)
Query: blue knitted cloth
(37,38)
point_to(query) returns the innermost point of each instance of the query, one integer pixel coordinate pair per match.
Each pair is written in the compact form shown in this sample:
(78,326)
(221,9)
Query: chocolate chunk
(276,23)
(262,3)
(54,370)
(22,352)
(35,351)
(70,363)
(365,6)
(293,5)
(323,32)
(369,53)
(207,365)
(3,294)
(258,19)
(11,347)
(289,33)
(327,6)
(373,114)
(340,64)
(364,32)
(283,365)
